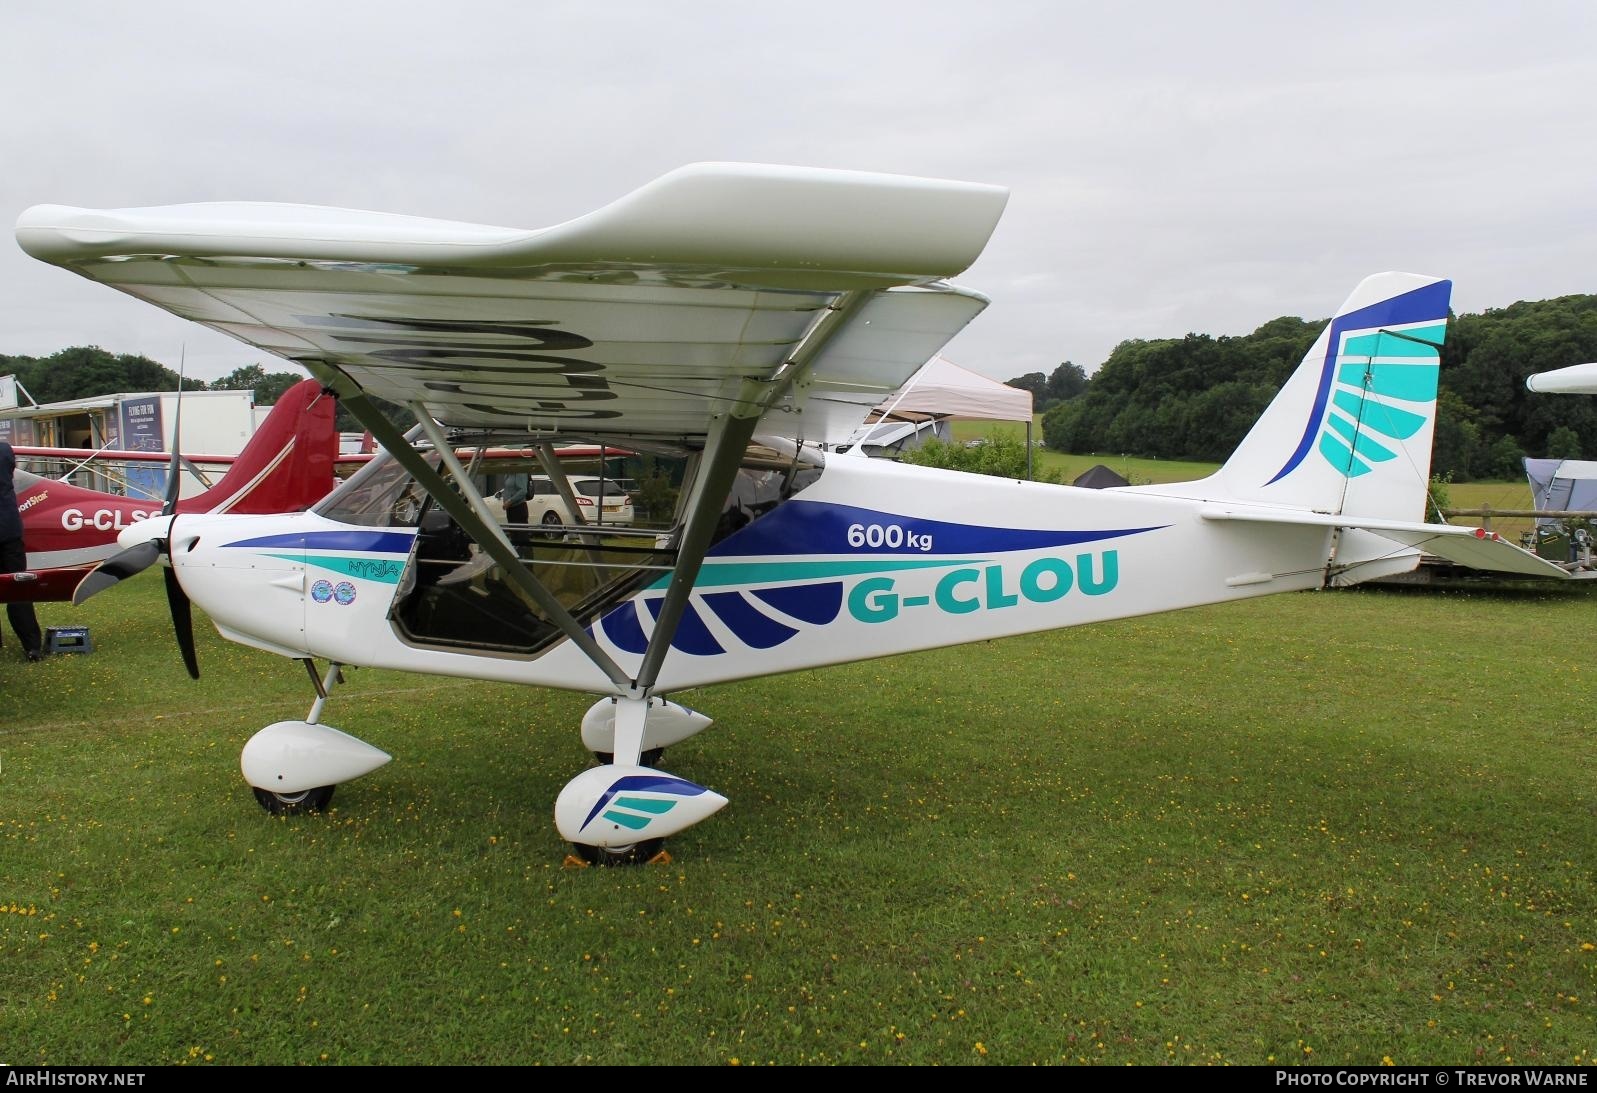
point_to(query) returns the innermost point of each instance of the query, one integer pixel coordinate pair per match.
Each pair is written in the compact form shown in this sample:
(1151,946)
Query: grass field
(1323,827)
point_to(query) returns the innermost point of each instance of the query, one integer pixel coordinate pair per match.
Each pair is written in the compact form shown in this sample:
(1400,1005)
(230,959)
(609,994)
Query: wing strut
(557,475)
(723,455)
(468,488)
(462,512)
(722,458)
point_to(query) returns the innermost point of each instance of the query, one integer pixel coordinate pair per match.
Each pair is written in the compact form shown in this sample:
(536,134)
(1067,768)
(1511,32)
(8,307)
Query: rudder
(1350,432)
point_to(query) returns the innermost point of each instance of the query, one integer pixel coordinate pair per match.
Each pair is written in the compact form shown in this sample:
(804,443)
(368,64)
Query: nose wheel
(639,853)
(292,804)
(650,758)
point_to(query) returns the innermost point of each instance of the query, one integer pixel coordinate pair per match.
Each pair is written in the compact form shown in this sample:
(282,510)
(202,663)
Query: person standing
(514,495)
(14,556)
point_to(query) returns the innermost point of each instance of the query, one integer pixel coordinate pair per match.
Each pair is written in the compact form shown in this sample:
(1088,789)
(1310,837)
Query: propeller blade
(174,481)
(182,621)
(135,559)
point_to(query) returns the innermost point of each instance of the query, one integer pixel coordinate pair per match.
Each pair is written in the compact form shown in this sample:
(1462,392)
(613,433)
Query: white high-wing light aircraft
(726,318)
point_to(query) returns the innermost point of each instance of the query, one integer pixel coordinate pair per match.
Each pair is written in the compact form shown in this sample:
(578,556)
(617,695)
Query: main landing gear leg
(630,717)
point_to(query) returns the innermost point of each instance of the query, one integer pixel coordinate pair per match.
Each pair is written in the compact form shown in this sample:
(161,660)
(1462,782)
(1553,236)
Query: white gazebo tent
(941,391)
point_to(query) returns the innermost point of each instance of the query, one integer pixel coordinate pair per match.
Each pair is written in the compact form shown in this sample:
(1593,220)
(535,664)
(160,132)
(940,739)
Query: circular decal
(344,593)
(322,591)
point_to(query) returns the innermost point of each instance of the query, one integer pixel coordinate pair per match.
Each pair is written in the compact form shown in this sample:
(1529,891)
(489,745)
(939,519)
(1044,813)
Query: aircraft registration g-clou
(727,321)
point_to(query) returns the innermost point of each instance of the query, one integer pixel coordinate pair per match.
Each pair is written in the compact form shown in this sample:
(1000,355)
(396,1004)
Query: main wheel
(552,518)
(649,758)
(292,804)
(639,853)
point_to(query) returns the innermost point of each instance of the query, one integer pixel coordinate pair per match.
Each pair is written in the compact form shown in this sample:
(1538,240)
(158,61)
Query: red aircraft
(287,466)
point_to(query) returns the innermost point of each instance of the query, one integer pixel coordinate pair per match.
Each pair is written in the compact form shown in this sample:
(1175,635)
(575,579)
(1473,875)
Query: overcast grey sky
(1175,167)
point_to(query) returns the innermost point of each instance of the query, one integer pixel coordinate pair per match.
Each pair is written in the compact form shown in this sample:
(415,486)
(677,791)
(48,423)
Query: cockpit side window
(453,595)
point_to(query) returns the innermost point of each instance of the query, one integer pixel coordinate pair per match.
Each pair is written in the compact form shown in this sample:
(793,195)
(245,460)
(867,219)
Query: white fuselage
(873,558)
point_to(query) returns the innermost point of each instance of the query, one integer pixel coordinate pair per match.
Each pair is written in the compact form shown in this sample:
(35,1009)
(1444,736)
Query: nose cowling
(144,531)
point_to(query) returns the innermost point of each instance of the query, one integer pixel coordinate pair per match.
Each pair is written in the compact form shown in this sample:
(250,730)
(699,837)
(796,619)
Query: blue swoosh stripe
(622,627)
(754,629)
(691,636)
(377,542)
(821,527)
(816,604)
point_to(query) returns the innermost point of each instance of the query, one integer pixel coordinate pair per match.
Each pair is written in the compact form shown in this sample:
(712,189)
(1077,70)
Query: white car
(545,507)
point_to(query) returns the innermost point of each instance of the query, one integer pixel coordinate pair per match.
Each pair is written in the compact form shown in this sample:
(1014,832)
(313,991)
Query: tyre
(292,804)
(650,758)
(639,853)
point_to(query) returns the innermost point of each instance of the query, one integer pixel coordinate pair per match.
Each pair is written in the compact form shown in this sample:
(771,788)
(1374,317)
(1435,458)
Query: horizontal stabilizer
(1473,547)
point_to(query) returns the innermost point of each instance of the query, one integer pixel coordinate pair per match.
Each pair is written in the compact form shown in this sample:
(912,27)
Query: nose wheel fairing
(621,805)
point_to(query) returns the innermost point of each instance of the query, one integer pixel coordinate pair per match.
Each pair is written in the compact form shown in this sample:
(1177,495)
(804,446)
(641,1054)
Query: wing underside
(651,316)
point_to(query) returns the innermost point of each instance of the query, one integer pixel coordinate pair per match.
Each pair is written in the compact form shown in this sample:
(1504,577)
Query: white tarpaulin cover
(943,389)
(1562,485)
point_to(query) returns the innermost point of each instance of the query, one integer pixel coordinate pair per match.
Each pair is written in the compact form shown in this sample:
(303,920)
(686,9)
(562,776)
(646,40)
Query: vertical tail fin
(1350,432)
(287,464)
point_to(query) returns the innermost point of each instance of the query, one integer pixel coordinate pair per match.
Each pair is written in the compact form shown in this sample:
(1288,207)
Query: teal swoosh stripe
(1388,420)
(1379,344)
(1341,457)
(1363,443)
(721,574)
(1409,382)
(646,804)
(626,820)
(381,570)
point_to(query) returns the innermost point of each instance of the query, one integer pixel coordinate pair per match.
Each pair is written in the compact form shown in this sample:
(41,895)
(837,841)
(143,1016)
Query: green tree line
(1195,397)
(89,371)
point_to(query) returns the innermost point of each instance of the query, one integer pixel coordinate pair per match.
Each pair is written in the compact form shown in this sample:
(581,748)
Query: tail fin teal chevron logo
(1377,381)
(1382,393)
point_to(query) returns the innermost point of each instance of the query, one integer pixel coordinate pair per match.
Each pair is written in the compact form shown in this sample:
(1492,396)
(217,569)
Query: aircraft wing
(651,316)
(1473,547)
(1577,379)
